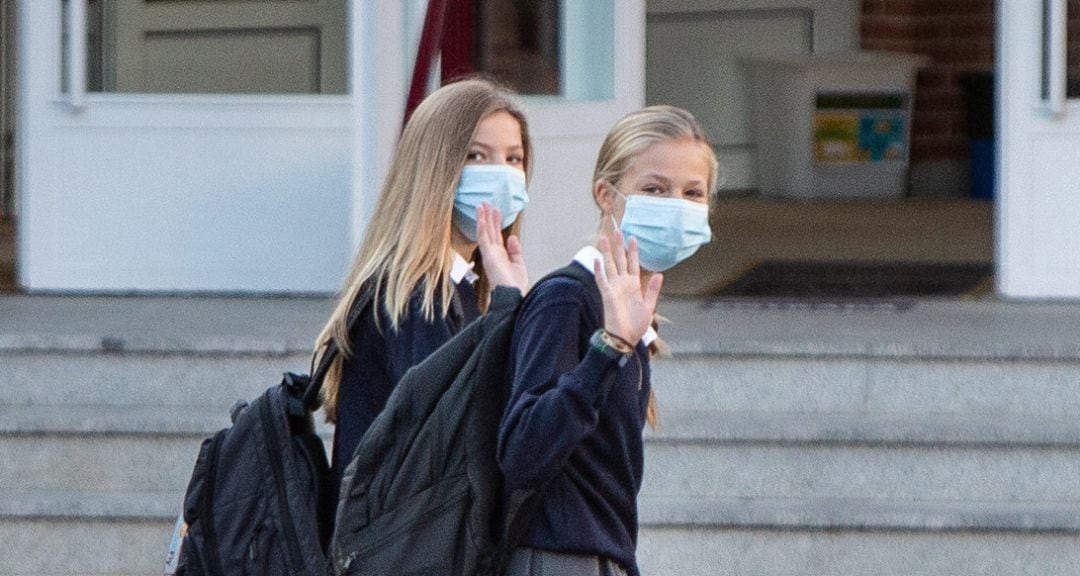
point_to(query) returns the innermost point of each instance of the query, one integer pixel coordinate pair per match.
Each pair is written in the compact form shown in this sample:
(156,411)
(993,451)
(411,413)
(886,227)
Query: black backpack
(260,500)
(423,493)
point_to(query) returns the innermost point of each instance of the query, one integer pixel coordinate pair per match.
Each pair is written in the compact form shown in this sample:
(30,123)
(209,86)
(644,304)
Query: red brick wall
(958,36)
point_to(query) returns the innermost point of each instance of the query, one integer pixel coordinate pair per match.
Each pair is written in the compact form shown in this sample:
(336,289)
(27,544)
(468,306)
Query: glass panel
(540,47)
(195,46)
(1072,87)
(519,43)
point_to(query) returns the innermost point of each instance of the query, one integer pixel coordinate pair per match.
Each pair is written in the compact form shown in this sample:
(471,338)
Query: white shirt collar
(586,257)
(462,270)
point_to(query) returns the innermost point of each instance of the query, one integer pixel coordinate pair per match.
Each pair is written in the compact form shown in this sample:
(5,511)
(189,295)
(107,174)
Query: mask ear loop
(611,215)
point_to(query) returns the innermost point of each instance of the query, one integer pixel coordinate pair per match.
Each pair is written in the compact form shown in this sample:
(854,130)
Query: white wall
(695,48)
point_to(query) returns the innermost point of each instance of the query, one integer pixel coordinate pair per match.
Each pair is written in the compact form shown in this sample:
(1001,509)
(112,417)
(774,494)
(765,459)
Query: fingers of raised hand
(620,252)
(513,249)
(603,267)
(601,278)
(633,265)
(494,221)
(652,292)
(482,224)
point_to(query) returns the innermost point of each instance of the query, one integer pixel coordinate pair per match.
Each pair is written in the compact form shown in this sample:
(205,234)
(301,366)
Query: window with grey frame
(200,47)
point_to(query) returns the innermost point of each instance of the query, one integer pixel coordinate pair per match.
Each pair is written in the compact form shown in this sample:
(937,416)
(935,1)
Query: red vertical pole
(458,40)
(430,40)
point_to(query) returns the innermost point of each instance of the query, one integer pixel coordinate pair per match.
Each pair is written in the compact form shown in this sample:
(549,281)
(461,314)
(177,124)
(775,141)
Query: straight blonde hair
(630,137)
(408,240)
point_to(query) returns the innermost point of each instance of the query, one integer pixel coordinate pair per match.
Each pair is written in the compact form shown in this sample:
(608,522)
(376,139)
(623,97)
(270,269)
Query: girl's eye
(475,157)
(515,160)
(694,193)
(652,189)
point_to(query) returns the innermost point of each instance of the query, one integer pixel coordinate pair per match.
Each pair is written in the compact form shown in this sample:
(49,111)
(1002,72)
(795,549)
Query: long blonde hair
(630,137)
(408,240)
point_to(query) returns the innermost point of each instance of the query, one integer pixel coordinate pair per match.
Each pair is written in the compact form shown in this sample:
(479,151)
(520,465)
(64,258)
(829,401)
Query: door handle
(75,65)
(1055,71)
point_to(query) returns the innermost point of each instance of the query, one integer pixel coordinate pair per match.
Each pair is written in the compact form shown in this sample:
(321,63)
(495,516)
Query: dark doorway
(7,146)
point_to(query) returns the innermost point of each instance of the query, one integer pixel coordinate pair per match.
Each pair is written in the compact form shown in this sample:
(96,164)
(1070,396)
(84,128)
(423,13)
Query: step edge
(79,344)
(694,426)
(854,515)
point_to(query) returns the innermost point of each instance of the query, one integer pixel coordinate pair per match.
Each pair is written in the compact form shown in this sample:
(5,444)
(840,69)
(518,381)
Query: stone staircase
(833,464)
(96,448)
(825,456)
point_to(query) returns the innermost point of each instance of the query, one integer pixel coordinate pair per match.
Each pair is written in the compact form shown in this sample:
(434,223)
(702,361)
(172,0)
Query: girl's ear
(604,195)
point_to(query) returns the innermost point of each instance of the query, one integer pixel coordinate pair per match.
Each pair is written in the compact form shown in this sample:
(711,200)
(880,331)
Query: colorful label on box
(860,128)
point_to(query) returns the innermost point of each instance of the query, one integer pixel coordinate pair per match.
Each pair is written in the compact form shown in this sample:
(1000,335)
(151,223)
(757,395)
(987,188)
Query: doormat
(859,280)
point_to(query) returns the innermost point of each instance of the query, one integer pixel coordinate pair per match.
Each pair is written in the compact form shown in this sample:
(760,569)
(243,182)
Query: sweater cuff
(597,373)
(504,298)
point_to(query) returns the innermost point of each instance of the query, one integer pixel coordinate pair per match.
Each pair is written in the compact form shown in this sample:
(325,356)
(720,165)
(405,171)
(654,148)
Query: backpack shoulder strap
(360,304)
(578,272)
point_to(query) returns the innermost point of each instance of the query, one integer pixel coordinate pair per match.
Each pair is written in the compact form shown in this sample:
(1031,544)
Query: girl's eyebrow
(667,182)
(480,144)
(656,176)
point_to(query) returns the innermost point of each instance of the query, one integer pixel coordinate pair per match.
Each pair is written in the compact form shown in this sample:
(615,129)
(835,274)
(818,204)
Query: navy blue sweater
(576,418)
(380,359)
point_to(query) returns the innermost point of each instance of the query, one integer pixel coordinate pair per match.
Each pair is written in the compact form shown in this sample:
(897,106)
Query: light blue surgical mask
(500,185)
(668,230)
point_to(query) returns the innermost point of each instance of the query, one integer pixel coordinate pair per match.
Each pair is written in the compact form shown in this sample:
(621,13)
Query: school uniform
(573,425)
(381,358)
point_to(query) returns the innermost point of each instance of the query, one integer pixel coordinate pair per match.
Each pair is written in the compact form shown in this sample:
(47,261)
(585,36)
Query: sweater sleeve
(557,393)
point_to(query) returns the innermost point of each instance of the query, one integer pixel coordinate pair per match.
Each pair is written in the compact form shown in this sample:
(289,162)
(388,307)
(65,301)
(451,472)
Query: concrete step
(49,533)
(764,552)
(106,449)
(782,382)
(792,381)
(713,427)
(730,456)
(915,474)
(129,534)
(151,378)
(695,454)
(857,514)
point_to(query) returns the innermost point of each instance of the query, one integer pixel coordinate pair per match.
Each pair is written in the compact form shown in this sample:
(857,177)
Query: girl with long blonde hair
(443,233)
(581,390)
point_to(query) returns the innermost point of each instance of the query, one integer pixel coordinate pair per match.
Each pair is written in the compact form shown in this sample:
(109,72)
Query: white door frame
(1038,196)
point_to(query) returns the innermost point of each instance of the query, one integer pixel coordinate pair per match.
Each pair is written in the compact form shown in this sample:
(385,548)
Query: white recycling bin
(833,126)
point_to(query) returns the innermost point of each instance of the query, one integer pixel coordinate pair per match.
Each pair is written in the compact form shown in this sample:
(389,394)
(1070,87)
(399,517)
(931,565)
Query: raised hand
(628,310)
(503,264)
